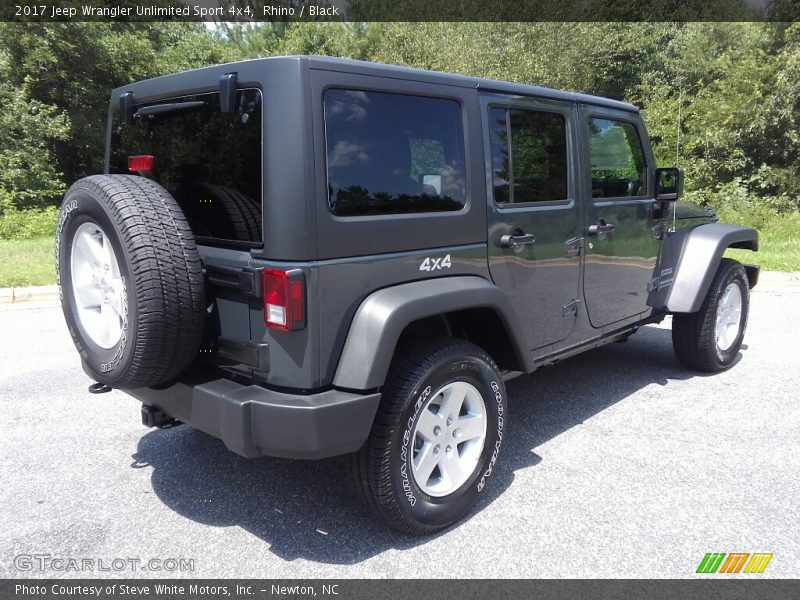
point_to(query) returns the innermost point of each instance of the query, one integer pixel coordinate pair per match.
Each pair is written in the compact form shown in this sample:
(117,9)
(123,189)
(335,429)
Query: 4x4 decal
(435,264)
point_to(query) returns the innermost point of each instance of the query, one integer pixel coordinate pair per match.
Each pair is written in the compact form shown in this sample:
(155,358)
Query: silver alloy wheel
(448,438)
(729,316)
(97,285)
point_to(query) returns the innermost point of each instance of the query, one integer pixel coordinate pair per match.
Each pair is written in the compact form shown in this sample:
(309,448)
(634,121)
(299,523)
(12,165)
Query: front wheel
(436,438)
(710,339)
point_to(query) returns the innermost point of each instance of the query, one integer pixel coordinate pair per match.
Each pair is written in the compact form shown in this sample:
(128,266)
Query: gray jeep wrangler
(307,257)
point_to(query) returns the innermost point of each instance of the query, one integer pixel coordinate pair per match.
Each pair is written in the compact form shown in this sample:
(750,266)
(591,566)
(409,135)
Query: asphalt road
(619,463)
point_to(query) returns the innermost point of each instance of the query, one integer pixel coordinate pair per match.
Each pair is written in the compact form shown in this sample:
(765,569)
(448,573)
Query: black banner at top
(48,11)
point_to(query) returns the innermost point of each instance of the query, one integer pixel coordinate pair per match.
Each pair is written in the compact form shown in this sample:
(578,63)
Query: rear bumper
(253,421)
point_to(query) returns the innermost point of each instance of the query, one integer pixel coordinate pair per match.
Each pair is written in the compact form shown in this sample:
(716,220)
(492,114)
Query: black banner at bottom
(394,589)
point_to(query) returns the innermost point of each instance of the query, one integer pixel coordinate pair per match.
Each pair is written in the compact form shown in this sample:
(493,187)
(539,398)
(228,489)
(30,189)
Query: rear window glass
(393,153)
(208,160)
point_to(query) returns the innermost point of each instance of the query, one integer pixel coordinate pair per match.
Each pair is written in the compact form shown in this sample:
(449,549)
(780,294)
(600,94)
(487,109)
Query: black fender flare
(384,314)
(700,256)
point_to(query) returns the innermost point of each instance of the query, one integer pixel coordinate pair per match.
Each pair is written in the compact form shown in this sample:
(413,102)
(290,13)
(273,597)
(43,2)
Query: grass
(30,262)
(27,262)
(779,245)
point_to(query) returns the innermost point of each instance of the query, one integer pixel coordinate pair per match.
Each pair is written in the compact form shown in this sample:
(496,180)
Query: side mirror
(669,184)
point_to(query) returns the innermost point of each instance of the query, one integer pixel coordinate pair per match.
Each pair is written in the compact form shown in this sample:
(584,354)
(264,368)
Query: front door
(534,229)
(621,236)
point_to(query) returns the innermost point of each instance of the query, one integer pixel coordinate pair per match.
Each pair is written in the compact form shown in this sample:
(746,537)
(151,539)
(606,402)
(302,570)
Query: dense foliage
(55,83)
(721,99)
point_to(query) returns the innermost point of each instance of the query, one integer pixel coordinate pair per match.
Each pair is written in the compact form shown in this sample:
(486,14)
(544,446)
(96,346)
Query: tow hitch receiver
(155,417)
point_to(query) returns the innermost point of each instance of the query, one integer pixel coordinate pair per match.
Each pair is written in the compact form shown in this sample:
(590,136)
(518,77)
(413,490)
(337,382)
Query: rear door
(621,235)
(534,225)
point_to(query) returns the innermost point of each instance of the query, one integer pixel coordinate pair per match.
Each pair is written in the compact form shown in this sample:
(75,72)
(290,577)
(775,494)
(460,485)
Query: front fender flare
(384,314)
(702,251)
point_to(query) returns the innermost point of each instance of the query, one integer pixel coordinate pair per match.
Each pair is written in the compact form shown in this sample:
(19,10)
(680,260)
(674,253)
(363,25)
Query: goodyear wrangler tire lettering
(387,471)
(409,493)
(498,396)
(130,280)
(66,210)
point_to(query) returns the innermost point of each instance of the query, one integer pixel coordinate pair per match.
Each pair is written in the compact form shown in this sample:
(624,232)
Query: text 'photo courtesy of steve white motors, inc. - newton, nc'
(190,590)
(198,11)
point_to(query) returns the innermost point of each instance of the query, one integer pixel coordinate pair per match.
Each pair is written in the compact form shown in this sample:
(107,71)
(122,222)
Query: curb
(778,282)
(43,293)
(38,293)
(780,277)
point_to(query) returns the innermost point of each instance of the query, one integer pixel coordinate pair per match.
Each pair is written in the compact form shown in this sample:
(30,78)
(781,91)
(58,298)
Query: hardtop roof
(347,65)
(491,85)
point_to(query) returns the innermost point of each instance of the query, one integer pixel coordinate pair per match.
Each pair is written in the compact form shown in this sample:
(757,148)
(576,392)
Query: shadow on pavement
(304,509)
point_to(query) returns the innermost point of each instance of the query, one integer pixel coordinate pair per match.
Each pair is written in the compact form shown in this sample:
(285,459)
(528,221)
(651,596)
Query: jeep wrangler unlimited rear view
(307,257)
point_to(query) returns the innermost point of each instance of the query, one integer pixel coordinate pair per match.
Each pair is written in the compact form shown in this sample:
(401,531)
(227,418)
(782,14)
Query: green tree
(64,73)
(30,131)
(735,86)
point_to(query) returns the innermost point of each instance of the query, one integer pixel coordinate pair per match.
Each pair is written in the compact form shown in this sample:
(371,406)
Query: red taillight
(141,162)
(284,297)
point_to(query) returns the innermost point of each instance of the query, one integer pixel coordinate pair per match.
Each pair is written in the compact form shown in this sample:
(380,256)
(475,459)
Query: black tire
(163,290)
(243,214)
(382,469)
(694,335)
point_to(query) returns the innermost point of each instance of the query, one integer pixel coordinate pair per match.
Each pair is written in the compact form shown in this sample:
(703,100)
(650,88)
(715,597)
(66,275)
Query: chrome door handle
(515,241)
(600,228)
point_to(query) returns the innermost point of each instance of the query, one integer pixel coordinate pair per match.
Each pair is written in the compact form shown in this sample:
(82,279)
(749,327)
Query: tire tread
(166,273)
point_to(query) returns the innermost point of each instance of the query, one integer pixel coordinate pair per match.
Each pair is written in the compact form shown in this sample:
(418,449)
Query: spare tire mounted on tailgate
(130,280)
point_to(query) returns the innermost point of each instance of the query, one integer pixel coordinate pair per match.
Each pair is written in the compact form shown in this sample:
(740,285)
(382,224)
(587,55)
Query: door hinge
(657,231)
(652,285)
(570,308)
(573,247)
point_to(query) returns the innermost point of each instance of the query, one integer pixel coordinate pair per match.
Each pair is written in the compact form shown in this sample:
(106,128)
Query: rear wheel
(436,438)
(130,280)
(710,339)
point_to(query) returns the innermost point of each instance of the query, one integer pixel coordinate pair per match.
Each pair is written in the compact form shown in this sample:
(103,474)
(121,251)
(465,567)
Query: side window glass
(617,159)
(393,153)
(529,156)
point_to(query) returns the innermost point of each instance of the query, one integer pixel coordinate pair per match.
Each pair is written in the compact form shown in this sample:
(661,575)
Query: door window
(529,156)
(617,159)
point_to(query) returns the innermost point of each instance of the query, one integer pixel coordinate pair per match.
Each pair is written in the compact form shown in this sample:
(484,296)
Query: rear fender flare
(384,314)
